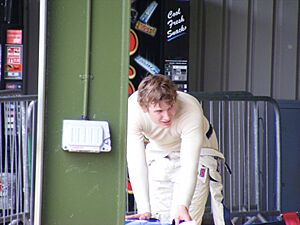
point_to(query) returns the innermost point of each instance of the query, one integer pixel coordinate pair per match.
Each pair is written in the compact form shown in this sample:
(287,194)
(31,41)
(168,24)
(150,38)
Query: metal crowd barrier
(248,130)
(17,142)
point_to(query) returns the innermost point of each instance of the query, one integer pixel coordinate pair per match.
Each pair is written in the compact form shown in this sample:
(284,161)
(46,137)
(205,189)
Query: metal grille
(17,140)
(248,130)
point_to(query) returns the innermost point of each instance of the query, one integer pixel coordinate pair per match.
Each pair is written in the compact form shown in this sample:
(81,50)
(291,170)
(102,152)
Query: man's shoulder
(133,105)
(133,96)
(186,97)
(132,99)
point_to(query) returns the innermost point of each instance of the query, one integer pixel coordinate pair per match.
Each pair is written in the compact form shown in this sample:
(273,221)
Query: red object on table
(291,218)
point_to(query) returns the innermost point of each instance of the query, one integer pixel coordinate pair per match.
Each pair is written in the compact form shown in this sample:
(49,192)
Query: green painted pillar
(85,188)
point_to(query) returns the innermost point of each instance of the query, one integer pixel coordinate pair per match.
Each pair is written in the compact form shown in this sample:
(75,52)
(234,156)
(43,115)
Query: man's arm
(193,128)
(136,158)
(138,172)
(189,160)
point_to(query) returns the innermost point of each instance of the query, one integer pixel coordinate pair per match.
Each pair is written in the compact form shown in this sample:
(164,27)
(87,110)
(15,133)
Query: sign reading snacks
(176,24)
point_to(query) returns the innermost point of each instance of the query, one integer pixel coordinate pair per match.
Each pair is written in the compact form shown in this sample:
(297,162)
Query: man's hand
(140,216)
(182,214)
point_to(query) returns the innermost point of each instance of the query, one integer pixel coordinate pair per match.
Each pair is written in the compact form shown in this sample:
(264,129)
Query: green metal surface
(83,188)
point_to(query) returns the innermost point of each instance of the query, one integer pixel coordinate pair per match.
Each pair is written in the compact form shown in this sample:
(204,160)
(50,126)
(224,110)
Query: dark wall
(243,45)
(246,45)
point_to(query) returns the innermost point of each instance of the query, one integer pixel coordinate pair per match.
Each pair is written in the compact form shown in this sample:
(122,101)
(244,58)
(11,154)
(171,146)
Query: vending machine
(11,45)
(159,41)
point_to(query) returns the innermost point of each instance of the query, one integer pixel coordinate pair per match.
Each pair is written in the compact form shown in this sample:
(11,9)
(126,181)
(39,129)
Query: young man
(172,175)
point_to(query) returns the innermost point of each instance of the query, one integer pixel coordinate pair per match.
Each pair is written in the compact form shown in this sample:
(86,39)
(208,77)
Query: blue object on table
(144,222)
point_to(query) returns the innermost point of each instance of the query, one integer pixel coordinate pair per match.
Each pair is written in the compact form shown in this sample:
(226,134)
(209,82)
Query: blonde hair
(156,88)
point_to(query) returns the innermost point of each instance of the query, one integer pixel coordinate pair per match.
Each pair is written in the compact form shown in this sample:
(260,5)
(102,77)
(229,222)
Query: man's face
(162,113)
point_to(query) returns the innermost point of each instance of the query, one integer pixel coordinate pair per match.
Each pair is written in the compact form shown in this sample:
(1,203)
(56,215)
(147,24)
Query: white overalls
(162,174)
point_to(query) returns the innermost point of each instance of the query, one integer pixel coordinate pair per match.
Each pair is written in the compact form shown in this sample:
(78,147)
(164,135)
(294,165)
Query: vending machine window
(11,45)
(19,46)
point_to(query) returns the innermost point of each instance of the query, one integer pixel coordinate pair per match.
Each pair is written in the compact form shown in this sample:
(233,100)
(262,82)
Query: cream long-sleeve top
(187,135)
